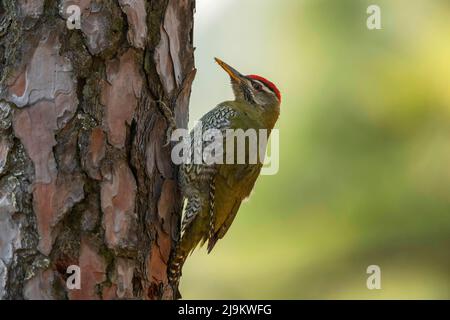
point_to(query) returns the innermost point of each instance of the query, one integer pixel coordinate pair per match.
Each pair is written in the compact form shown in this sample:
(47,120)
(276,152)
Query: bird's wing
(231,183)
(225,226)
(234,183)
(219,118)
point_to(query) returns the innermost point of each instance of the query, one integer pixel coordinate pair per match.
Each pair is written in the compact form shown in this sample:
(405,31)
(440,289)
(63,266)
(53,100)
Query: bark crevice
(85,176)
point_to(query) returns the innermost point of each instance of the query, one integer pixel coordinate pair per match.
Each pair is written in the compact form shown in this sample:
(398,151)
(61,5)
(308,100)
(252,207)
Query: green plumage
(232,183)
(214,192)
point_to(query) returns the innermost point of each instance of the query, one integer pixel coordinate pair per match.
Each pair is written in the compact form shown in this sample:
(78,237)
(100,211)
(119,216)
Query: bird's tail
(175,267)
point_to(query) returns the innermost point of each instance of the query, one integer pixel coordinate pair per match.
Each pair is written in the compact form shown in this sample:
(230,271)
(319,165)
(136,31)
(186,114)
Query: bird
(213,193)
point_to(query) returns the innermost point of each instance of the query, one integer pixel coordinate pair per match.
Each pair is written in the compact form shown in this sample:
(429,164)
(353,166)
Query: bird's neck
(266,116)
(270,115)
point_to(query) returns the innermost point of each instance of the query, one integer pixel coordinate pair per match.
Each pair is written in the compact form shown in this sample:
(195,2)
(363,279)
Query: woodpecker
(213,193)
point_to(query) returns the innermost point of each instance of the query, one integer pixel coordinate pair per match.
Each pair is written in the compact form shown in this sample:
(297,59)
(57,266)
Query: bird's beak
(234,74)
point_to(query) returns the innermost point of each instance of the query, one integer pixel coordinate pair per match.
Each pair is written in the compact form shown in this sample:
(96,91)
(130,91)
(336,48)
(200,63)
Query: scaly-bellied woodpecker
(214,192)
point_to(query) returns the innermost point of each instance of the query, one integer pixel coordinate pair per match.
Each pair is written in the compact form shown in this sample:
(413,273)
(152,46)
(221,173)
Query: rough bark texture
(85,178)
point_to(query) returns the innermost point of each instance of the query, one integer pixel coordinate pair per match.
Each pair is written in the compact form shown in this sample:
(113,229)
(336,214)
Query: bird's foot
(171,125)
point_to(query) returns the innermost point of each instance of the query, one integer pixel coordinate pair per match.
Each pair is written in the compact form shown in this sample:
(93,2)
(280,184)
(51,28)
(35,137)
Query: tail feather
(175,266)
(190,237)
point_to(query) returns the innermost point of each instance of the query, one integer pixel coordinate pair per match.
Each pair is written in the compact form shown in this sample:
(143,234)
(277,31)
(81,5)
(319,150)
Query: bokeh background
(365,150)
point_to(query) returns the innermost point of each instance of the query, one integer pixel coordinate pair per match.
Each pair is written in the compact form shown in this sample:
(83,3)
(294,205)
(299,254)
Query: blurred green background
(365,150)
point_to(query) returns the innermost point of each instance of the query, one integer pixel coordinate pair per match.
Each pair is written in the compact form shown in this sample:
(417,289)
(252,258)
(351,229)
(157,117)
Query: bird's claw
(171,125)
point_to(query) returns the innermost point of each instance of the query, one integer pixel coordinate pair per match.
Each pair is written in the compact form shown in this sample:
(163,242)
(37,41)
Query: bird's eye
(257,86)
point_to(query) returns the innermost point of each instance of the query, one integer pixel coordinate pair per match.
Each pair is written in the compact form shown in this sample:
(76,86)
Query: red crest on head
(268,83)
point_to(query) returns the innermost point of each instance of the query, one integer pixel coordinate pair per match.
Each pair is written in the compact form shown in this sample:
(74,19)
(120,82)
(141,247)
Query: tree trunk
(85,177)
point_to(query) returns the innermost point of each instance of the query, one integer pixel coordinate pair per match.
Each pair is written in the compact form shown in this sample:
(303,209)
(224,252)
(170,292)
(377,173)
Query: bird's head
(252,89)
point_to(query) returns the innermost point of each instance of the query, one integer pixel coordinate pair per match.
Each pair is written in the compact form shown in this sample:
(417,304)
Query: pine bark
(85,176)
